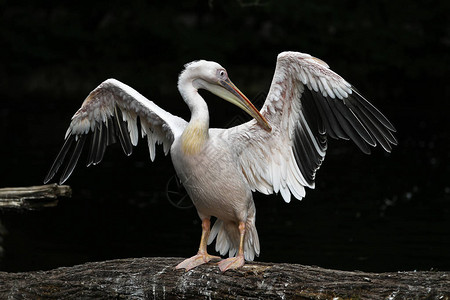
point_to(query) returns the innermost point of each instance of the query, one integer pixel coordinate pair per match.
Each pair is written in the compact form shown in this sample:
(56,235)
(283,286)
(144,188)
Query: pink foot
(231,263)
(195,261)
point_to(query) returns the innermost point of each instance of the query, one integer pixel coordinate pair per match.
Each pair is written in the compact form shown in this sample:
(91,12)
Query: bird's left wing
(110,113)
(307,101)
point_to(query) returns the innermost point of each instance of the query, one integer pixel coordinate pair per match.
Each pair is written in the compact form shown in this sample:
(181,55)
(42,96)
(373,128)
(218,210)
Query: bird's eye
(222,73)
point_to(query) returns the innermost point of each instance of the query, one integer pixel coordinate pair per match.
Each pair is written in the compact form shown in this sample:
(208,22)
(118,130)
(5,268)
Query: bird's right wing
(307,101)
(110,113)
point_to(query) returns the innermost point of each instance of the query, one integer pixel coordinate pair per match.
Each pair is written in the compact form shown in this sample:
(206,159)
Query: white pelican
(279,150)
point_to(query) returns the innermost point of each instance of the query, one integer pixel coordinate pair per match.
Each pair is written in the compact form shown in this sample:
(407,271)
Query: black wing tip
(102,135)
(73,158)
(386,143)
(369,106)
(47,179)
(374,121)
(386,146)
(49,176)
(64,179)
(59,158)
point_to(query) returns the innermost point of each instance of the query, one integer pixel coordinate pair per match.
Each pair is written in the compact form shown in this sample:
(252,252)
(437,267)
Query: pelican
(278,151)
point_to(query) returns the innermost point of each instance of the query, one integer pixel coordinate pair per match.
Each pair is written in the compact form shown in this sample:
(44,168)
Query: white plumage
(278,151)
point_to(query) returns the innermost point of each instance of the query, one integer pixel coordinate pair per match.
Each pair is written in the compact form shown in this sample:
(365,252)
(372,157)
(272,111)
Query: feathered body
(280,150)
(210,186)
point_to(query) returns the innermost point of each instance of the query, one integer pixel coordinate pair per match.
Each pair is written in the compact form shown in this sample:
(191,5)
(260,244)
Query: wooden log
(33,197)
(156,278)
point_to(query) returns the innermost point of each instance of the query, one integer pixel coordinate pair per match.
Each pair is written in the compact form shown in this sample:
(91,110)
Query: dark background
(384,212)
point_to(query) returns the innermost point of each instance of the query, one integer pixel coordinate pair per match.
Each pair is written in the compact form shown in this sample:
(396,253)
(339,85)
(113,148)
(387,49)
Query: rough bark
(156,278)
(33,197)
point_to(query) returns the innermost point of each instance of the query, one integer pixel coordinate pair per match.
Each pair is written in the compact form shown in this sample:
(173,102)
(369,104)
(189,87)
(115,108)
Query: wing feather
(307,101)
(59,158)
(111,113)
(124,137)
(74,158)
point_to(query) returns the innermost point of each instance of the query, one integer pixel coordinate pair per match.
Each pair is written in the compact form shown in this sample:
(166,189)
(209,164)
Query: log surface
(156,278)
(33,197)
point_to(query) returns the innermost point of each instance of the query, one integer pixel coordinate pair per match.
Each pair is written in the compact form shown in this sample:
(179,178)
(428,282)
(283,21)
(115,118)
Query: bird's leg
(202,254)
(238,260)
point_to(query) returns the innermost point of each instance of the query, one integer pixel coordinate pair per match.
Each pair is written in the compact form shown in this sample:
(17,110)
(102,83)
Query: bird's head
(213,77)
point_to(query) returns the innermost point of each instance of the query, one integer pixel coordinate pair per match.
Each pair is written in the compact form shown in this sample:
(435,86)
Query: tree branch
(156,278)
(33,197)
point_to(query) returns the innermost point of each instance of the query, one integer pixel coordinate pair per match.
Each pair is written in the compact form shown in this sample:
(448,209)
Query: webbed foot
(195,261)
(231,263)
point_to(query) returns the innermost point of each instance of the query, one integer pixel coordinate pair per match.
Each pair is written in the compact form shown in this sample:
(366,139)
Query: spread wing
(110,113)
(307,101)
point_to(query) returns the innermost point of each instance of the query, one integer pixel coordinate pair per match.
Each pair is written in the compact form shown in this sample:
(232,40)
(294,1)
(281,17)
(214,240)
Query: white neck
(195,102)
(196,133)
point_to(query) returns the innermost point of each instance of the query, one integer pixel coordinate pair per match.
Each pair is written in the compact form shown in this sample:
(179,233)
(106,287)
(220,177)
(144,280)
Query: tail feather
(227,240)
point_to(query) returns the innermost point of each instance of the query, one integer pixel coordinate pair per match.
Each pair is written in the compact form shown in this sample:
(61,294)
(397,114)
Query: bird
(278,151)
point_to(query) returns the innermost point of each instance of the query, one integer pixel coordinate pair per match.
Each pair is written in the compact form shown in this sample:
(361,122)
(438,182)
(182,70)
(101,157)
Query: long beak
(232,94)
